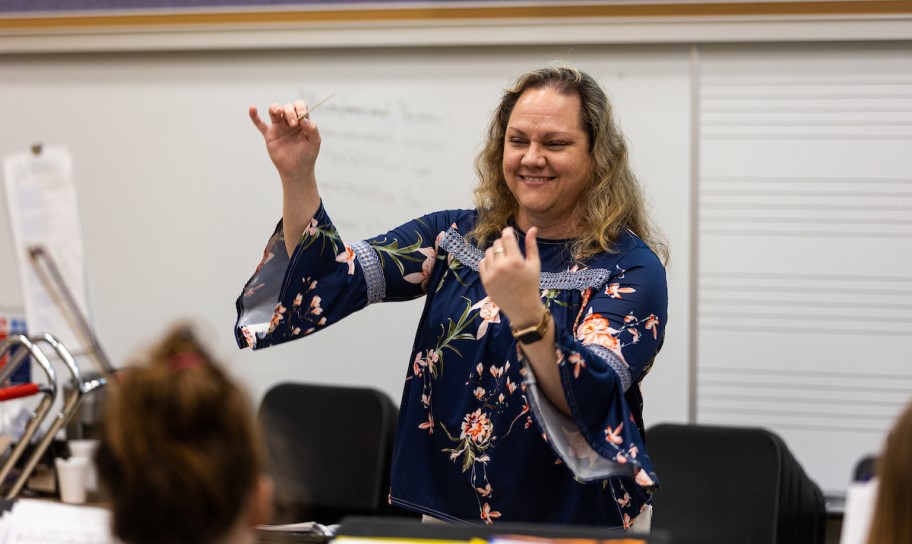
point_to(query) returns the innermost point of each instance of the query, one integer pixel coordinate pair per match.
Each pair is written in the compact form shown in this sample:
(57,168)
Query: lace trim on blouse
(373,272)
(469,255)
(615,362)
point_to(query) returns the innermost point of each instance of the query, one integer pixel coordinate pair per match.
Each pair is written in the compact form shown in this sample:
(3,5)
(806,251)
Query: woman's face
(546,161)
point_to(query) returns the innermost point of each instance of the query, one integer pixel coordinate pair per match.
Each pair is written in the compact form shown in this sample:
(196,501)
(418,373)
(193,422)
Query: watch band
(534,333)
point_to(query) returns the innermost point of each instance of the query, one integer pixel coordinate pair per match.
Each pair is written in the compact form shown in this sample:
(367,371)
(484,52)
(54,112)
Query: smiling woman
(613,199)
(546,161)
(544,310)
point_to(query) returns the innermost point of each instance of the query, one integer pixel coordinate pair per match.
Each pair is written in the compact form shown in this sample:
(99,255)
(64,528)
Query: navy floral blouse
(476,440)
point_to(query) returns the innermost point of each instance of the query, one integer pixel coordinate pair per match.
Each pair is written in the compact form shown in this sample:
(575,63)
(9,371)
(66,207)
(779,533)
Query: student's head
(892,520)
(180,457)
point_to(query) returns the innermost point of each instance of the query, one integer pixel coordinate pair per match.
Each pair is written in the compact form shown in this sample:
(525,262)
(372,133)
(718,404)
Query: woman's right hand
(293,145)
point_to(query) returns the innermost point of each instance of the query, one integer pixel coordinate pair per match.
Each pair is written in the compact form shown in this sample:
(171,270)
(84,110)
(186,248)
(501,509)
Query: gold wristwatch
(534,333)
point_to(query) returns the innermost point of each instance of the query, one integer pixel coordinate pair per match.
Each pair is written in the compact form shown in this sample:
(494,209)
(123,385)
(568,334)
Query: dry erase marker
(306,114)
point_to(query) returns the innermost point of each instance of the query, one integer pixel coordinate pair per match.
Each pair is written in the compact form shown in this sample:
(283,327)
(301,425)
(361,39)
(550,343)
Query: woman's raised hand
(293,144)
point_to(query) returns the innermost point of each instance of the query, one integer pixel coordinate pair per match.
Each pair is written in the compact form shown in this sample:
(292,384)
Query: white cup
(72,474)
(85,449)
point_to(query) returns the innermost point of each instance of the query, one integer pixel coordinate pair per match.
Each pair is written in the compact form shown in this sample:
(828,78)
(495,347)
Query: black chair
(865,469)
(329,450)
(721,485)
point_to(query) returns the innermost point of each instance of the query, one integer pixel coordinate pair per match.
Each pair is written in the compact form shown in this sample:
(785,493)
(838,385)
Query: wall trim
(462,25)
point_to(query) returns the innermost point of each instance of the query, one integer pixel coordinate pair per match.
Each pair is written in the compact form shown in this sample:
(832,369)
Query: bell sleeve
(605,353)
(325,280)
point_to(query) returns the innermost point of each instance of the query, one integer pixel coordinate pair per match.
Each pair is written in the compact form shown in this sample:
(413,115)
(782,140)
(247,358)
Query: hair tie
(185,360)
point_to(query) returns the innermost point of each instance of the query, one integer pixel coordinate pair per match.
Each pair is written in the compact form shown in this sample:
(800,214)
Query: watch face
(529,337)
(534,334)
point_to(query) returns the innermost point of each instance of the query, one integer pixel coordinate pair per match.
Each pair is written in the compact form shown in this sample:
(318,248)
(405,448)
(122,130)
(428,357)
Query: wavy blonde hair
(612,202)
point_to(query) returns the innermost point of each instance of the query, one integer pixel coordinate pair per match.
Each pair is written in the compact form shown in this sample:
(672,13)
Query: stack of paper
(305,532)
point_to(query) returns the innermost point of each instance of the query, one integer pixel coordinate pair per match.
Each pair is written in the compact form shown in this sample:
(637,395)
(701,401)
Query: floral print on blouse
(476,441)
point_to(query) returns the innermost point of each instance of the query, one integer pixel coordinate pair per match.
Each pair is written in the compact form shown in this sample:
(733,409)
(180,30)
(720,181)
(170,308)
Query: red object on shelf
(18,391)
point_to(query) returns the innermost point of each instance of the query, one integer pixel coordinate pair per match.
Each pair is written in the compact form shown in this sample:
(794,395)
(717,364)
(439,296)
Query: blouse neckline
(547,241)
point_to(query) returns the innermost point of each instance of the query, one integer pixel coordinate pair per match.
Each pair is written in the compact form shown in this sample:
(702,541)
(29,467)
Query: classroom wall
(177,196)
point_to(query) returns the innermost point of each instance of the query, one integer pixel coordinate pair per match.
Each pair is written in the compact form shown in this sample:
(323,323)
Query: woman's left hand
(511,279)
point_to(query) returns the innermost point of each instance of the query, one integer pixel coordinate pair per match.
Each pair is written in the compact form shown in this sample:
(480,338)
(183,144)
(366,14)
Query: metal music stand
(79,385)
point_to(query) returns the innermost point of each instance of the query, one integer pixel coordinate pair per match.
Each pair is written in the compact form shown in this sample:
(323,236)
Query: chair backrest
(329,450)
(865,469)
(732,484)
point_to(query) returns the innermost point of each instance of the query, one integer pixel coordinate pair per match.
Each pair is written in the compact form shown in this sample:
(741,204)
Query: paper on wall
(41,196)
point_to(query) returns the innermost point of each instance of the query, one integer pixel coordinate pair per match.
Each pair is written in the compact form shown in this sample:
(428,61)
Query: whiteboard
(177,195)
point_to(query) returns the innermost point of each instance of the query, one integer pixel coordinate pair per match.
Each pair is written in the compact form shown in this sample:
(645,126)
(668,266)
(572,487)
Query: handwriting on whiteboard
(385,161)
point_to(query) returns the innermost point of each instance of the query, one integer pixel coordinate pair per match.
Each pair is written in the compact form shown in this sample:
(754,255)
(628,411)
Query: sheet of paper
(41,196)
(393,540)
(859,510)
(304,527)
(45,522)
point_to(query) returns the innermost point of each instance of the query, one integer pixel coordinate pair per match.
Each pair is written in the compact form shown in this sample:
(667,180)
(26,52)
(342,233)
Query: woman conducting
(545,308)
